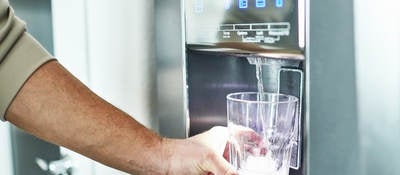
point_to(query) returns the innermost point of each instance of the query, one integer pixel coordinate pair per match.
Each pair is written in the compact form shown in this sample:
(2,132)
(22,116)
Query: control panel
(271,23)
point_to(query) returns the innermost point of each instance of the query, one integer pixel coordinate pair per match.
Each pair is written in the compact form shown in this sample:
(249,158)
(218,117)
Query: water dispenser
(228,43)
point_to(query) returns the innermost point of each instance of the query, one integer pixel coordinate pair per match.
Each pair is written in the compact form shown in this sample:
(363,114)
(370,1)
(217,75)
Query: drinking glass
(261,132)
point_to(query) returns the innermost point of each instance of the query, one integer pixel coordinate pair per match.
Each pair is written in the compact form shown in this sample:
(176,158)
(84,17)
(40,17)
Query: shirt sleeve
(20,56)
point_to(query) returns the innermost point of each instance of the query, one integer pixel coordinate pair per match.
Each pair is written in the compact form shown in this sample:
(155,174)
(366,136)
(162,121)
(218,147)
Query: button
(279,3)
(243,4)
(261,3)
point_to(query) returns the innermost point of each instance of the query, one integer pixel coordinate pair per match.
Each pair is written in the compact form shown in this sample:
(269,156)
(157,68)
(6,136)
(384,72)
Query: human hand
(243,139)
(199,155)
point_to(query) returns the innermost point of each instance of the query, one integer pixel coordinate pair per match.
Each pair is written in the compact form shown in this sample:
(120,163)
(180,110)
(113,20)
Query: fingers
(245,134)
(226,152)
(244,140)
(216,140)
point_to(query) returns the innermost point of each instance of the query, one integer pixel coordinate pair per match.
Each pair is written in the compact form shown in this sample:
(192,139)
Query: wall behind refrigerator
(377,29)
(5,149)
(109,46)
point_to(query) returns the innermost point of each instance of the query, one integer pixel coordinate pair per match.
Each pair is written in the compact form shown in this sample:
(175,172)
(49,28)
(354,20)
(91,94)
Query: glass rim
(290,98)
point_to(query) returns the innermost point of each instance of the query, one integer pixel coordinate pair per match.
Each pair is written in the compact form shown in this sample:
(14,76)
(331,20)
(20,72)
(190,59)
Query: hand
(243,139)
(198,155)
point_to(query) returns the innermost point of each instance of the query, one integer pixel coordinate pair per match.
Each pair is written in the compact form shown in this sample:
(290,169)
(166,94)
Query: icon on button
(243,4)
(279,3)
(261,3)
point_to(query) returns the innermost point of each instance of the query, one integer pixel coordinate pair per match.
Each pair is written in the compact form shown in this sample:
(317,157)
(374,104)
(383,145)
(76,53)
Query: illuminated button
(279,3)
(228,4)
(198,6)
(261,3)
(243,4)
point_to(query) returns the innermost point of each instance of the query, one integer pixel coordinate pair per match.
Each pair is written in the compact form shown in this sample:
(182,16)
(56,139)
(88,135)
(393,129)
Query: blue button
(279,3)
(243,4)
(261,3)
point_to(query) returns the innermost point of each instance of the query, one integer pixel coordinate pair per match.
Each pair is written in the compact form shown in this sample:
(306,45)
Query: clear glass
(261,132)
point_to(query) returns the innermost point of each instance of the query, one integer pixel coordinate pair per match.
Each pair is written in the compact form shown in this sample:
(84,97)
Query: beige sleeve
(20,56)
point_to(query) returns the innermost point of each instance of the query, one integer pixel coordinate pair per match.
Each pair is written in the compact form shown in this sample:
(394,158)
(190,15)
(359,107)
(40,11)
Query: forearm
(56,107)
